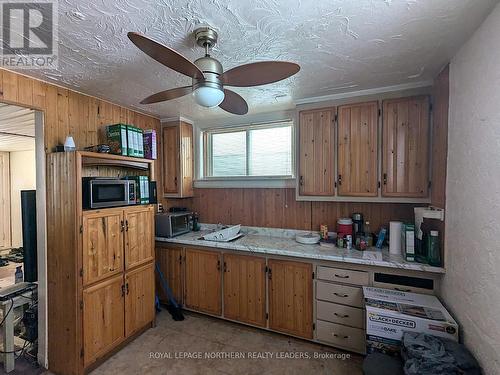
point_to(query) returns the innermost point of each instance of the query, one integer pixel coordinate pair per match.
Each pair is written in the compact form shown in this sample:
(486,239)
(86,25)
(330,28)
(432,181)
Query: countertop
(282,242)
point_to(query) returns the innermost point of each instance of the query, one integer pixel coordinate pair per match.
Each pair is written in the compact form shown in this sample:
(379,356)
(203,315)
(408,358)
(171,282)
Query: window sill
(245,182)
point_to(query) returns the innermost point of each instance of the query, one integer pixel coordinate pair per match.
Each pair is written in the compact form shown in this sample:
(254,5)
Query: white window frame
(207,180)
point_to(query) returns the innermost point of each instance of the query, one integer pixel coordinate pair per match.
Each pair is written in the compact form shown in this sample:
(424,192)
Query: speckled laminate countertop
(282,242)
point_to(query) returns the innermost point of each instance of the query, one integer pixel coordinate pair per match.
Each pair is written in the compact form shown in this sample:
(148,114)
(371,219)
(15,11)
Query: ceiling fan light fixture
(208,96)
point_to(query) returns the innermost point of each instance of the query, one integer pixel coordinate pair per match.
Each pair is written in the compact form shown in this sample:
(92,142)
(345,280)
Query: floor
(159,351)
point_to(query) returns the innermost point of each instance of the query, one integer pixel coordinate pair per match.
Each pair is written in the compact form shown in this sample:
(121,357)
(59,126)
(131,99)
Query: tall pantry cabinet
(100,264)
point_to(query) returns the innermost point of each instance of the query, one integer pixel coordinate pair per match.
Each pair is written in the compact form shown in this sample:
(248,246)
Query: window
(251,151)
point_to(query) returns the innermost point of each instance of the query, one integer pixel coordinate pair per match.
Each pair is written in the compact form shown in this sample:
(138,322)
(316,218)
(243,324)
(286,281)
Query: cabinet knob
(341,295)
(385,178)
(340,179)
(301,181)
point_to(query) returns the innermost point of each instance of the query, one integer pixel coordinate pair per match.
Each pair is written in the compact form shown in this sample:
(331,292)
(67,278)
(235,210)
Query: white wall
(22,177)
(471,287)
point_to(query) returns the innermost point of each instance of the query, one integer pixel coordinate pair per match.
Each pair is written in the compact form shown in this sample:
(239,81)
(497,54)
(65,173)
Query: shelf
(94,159)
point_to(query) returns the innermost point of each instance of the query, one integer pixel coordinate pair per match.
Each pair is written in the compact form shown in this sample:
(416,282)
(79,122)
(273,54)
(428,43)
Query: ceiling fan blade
(259,73)
(167,95)
(165,55)
(233,103)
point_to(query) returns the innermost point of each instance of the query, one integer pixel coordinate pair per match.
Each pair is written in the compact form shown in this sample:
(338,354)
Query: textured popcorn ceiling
(341,46)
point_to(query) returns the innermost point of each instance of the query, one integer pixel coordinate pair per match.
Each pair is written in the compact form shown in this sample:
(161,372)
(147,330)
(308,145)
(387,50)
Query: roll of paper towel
(395,228)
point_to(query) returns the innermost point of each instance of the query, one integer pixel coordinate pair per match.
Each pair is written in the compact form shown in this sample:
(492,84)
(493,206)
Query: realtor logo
(29,34)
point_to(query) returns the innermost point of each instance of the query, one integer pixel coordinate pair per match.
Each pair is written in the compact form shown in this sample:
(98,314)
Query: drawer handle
(340,337)
(342,276)
(341,316)
(341,295)
(402,290)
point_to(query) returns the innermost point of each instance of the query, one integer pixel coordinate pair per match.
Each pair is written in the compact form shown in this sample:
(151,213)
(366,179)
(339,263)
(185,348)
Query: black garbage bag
(431,355)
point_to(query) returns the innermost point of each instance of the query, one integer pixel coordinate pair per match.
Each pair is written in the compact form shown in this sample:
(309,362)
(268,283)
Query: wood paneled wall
(278,208)
(440,137)
(68,112)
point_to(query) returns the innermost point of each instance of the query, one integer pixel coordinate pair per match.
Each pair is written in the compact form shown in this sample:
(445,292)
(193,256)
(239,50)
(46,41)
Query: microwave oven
(101,192)
(169,224)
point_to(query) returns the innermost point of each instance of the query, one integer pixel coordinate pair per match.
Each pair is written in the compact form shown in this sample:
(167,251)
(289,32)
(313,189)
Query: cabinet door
(171,163)
(203,281)
(357,150)
(245,289)
(139,236)
(102,244)
(405,148)
(316,152)
(170,261)
(139,298)
(103,318)
(186,159)
(290,297)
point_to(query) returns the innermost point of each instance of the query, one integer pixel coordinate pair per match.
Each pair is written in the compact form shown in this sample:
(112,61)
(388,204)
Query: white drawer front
(335,313)
(343,336)
(343,294)
(343,276)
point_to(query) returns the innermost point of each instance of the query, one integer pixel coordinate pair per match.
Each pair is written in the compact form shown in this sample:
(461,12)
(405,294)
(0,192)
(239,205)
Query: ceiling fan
(208,76)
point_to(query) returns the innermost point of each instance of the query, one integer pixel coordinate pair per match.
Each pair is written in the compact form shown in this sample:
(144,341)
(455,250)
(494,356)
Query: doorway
(22,196)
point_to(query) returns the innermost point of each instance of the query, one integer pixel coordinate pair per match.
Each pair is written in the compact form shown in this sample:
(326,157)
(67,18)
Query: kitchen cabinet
(102,244)
(103,317)
(316,152)
(203,281)
(139,298)
(357,150)
(170,261)
(291,297)
(90,256)
(245,289)
(178,167)
(405,147)
(139,235)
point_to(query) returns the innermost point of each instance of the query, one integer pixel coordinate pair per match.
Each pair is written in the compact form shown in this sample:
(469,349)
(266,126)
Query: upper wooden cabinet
(203,281)
(405,147)
(245,289)
(291,297)
(357,150)
(316,152)
(139,235)
(178,169)
(102,244)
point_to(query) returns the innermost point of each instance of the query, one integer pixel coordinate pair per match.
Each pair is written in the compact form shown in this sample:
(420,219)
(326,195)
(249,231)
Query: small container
(344,226)
(18,276)
(323,231)
(340,242)
(349,242)
(434,252)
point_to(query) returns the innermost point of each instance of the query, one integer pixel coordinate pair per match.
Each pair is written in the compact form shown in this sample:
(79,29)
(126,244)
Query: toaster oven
(171,224)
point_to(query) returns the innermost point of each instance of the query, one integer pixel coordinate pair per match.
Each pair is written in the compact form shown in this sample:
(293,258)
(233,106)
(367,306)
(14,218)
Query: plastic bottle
(18,276)
(434,252)
(368,235)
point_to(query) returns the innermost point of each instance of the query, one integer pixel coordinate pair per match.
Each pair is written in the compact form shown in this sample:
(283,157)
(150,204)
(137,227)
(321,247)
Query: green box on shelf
(117,139)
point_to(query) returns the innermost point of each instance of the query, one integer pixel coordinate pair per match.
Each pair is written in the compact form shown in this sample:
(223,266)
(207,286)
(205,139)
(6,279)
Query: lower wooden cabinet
(170,262)
(203,281)
(139,298)
(291,297)
(245,289)
(103,318)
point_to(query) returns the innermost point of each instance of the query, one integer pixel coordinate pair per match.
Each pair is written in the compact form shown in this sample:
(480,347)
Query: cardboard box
(389,313)
(150,148)
(117,139)
(408,241)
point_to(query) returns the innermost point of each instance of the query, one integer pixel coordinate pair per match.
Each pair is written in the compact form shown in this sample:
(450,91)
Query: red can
(344,227)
